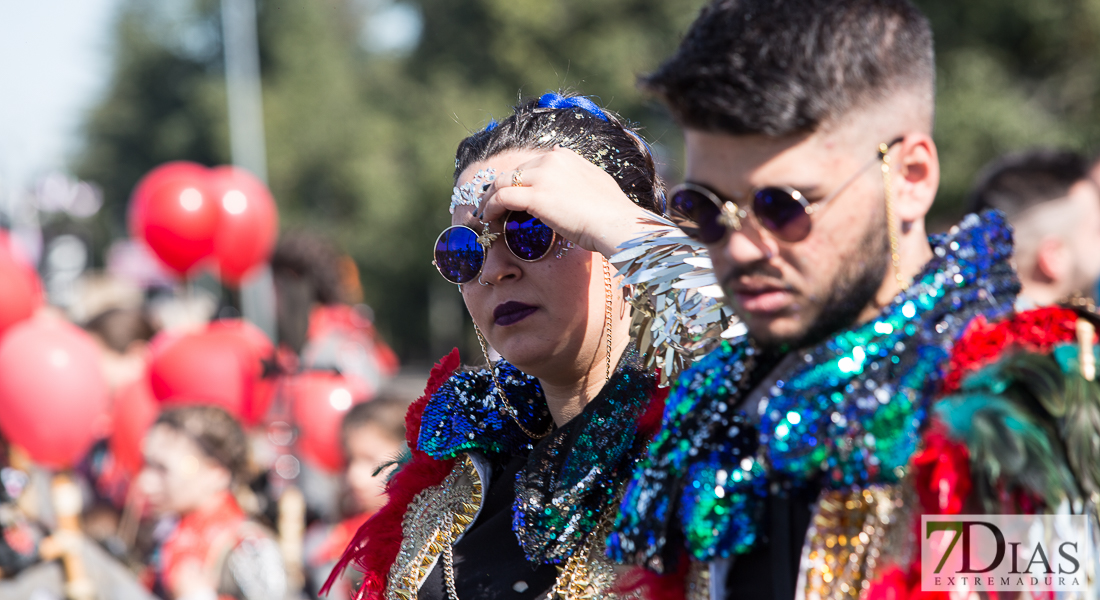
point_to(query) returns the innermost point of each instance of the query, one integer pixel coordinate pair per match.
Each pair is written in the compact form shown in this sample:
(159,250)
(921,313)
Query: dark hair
(120,327)
(779,67)
(1016,182)
(214,431)
(306,270)
(387,411)
(573,122)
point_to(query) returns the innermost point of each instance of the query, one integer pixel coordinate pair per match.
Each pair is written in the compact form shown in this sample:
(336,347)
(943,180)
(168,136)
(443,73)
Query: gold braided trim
(697,586)
(434,520)
(855,533)
(588,574)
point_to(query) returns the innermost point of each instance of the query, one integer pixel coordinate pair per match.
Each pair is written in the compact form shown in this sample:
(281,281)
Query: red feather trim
(650,423)
(669,586)
(941,466)
(983,343)
(383,530)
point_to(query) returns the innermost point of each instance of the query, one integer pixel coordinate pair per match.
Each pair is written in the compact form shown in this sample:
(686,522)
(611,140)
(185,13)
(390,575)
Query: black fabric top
(488,562)
(770,570)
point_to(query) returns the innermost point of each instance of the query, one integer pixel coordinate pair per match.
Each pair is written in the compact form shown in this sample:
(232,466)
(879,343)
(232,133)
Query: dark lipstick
(512,312)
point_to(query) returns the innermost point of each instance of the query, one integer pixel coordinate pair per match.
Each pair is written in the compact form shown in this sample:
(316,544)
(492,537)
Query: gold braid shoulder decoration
(434,520)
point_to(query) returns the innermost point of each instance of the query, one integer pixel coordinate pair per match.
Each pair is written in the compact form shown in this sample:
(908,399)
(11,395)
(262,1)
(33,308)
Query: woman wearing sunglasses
(516,470)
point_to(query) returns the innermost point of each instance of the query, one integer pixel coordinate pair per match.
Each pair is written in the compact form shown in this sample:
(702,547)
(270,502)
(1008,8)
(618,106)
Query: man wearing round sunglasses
(796,460)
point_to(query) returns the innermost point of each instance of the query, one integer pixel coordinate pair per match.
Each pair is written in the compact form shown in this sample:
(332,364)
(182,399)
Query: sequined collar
(572,477)
(849,413)
(466,414)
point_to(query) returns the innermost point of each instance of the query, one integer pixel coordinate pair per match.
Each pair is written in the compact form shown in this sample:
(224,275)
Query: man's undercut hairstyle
(1019,181)
(782,67)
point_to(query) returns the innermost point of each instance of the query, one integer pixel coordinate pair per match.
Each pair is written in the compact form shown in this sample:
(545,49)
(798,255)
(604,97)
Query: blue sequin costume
(848,414)
(572,475)
(538,510)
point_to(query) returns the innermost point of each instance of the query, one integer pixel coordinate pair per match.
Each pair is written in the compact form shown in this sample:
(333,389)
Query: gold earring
(892,225)
(508,408)
(607,312)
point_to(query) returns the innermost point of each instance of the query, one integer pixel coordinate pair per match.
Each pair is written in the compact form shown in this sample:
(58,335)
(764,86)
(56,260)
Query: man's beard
(857,283)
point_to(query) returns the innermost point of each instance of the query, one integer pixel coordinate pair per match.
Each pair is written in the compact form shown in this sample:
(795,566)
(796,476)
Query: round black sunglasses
(706,216)
(460,251)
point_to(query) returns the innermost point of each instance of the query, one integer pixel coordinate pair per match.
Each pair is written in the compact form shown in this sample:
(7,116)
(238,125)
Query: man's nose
(746,246)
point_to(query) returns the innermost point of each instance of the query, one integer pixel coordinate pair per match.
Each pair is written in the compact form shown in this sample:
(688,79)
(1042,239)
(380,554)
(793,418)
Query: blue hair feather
(555,100)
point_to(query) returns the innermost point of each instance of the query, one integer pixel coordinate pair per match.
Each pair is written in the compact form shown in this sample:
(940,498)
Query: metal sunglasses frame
(732,214)
(485,239)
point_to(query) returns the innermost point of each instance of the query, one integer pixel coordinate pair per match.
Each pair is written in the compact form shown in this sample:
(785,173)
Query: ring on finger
(517,178)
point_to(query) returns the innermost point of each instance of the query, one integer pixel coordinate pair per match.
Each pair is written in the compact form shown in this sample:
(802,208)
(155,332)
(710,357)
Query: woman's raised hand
(574,197)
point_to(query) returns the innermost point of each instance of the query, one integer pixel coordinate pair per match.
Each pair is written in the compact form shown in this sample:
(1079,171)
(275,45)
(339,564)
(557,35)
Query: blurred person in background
(194,457)
(320,314)
(323,326)
(37,563)
(515,467)
(1094,174)
(123,335)
(373,435)
(1054,207)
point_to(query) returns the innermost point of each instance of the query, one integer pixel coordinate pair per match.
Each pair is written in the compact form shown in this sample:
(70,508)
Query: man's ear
(1052,260)
(914,176)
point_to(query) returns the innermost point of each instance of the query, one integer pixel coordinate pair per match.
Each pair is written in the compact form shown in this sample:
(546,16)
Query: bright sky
(54,63)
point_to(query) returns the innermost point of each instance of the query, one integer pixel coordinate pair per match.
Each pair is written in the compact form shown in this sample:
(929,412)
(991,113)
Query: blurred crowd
(197,459)
(222,465)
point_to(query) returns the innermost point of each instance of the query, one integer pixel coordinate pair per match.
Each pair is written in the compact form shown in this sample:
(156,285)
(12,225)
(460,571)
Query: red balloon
(248,226)
(254,344)
(172,210)
(21,291)
(220,365)
(320,401)
(134,410)
(199,368)
(53,395)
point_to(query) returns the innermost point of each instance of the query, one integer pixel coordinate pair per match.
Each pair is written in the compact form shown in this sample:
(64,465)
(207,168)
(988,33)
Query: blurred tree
(164,103)
(1012,74)
(362,125)
(366,100)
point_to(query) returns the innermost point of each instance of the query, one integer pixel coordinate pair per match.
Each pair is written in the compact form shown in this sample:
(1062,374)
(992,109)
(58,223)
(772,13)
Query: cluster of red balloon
(187,213)
(54,400)
(320,400)
(22,291)
(223,365)
(53,396)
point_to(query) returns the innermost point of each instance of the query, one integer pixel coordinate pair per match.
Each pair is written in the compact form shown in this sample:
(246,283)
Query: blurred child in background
(194,456)
(373,434)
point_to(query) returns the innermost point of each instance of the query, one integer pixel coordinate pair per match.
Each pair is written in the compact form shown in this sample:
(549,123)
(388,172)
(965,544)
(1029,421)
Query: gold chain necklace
(508,408)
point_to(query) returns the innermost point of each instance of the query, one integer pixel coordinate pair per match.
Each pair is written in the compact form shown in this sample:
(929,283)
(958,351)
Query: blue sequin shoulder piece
(466,414)
(848,413)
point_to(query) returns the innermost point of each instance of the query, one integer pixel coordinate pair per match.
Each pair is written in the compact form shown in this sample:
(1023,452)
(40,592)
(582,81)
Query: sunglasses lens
(527,237)
(781,214)
(458,256)
(696,214)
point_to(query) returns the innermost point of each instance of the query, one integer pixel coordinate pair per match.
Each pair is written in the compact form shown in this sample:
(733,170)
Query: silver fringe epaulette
(678,311)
